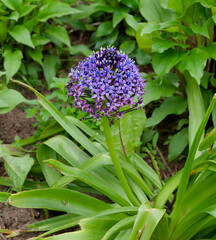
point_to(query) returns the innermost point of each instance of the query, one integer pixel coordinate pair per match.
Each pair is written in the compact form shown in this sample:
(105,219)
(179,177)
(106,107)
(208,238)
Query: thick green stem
(116,163)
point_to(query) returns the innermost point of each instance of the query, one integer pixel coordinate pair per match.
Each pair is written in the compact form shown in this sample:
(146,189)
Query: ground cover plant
(75,164)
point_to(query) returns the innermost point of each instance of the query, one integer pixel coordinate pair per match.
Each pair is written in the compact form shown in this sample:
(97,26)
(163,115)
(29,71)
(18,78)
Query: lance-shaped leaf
(55,9)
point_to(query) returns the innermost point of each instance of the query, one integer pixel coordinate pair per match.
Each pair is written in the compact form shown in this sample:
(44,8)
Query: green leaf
(125,223)
(11,98)
(142,58)
(4,196)
(144,41)
(68,150)
(177,144)
(3,104)
(208,3)
(80,49)
(49,68)
(195,63)
(59,33)
(208,141)
(152,11)
(104,29)
(22,35)
(12,62)
(117,17)
(179,6)
(131,126)
(195,106)
(161,45)
(17,169)
(155,89)
(91,180)
(3,29)
(14,16)
(43,153)
(26,9)
(146,221)
(57,224)
(202,30)
(39,40)
(13,4)
(88,227)
(51,223)
(167,107)
(131,21)
(59,199)
(211,49)
(55,9)
(36,55)
(164,62)
(127,46)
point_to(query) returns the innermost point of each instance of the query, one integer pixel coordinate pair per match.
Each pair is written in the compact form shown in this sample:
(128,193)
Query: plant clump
(105,82)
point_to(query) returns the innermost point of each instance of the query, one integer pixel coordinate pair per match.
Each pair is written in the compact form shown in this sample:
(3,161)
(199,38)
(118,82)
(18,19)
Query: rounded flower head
(105,82)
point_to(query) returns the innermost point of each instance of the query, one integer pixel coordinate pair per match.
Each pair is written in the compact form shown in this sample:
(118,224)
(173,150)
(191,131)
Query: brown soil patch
(16,219)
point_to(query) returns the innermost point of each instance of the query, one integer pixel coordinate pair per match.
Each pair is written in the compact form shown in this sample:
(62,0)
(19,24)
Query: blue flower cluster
(105,82)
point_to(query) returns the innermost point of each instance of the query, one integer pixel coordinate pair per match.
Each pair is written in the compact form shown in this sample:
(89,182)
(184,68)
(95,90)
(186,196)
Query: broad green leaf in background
(81,49)
(104,29)
(177,144)
(152,11)
(55,9)
(131,127)
(3,29)
(142,58)
(194,63)
(145,41)
(180,6)
(164,62)
(11,98)
(12,62)
(17,169)
(117,17)
(26,9)
(60,33)
(49,68)
(39,40)
(14,16)
(173,105)
(160,45)
(202,30)
(36,55)
(127,46)
(157,88)
(131,21)
(13,4)
(22,35)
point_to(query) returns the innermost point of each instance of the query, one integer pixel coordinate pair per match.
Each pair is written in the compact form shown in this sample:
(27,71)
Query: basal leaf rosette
(105,82)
